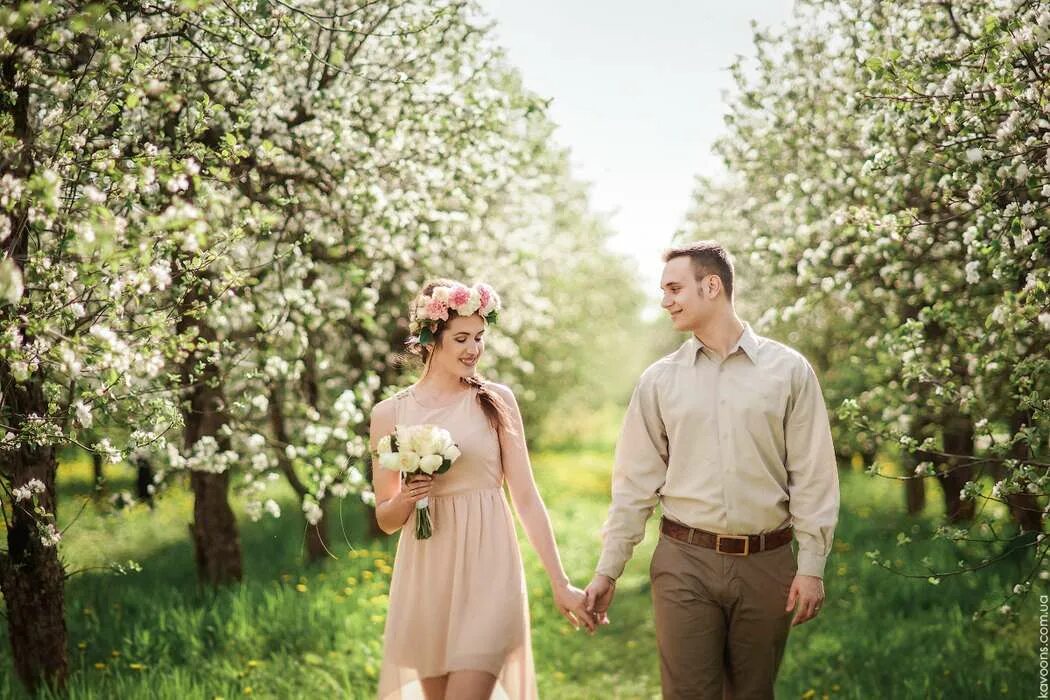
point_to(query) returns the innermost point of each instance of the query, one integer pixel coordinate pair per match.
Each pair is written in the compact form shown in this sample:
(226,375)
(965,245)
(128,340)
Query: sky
(638,96)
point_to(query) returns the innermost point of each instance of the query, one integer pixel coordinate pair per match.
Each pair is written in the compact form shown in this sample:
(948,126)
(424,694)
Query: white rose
(423,442)
(431,463)
(440,293)
(408,461)
(384,446)
(451,453)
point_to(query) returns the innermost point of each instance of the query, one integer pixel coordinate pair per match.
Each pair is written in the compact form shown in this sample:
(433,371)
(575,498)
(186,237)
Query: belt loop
(689,540)
(762,545)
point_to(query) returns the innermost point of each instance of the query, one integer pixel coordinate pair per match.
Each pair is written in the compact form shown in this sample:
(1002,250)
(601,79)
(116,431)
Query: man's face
(682,297)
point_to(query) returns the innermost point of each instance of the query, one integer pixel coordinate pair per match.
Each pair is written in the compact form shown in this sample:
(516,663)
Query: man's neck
(720,333)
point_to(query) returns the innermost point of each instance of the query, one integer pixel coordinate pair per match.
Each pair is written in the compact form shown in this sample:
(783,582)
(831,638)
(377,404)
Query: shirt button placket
(725,456)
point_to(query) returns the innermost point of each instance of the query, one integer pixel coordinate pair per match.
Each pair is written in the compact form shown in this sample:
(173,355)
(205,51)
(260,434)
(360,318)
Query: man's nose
(666,303)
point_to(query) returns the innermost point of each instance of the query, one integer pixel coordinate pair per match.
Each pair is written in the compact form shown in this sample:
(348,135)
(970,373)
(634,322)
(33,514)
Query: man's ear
(712,284)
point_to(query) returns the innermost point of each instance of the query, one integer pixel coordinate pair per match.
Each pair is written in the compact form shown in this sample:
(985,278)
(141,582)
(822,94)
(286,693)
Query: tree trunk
(144,481)
(915,495)
(98,476)
(31,576)
(216,542)
(915,489)
(1024,507)
(958,440)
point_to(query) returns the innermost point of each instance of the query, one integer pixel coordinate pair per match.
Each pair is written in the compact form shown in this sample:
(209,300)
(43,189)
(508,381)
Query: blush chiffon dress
(458,600)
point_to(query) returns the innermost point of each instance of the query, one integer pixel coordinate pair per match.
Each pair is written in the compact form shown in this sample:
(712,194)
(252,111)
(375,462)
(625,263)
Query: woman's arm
(394,502)
(533,513)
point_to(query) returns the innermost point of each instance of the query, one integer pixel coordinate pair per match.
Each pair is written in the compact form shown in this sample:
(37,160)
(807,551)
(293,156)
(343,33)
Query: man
(730,435)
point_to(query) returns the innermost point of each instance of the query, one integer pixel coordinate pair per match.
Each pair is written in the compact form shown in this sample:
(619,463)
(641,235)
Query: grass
(295,631)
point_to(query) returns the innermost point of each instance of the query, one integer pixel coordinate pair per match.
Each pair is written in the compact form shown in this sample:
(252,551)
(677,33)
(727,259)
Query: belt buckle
(745,538)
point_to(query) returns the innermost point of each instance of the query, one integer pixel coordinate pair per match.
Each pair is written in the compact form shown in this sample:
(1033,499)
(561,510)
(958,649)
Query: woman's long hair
(495,408)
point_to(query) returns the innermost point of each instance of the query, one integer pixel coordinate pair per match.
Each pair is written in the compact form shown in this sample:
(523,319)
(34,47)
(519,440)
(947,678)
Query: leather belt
(735,545)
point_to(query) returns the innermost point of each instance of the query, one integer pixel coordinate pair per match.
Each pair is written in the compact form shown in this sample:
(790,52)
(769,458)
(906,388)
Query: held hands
(571,604)
(599,595)
(808,593)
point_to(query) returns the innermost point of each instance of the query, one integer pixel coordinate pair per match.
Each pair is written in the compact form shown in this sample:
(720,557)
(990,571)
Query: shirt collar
(748,342)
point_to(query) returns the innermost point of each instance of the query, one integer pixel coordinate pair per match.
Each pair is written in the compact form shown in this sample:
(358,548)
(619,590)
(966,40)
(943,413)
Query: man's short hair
(709,258)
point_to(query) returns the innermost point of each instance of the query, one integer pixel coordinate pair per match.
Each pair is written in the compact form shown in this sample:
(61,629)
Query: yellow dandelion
(559,676)
(809,694)
(301,587)
(348,591)
(81,645)
(115,654)
(376,618)
(366,575)
(351,581)
(100,666)
(136,666)
(247,690)
(252,663)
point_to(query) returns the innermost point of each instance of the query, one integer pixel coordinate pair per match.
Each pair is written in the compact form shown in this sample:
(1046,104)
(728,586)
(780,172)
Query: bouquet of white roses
(418,449)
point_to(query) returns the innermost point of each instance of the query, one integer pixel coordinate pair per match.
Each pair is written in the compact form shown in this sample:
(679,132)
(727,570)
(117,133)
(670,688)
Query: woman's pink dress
(458,600)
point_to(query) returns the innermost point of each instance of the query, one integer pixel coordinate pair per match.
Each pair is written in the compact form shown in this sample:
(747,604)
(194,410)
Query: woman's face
(461,346)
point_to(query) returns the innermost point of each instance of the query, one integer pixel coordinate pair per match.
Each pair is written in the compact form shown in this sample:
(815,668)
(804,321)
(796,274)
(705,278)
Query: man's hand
(599,596)
(808,593)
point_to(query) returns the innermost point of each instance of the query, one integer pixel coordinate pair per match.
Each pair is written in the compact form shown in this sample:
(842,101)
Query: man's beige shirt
(734,446)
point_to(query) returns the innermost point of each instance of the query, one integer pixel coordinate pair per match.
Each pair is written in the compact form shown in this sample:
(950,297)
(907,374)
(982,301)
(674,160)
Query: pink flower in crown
(436,310)
(489,299)
(485,292)
(459,297)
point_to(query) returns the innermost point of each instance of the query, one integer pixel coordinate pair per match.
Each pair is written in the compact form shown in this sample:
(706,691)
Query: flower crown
(428,310)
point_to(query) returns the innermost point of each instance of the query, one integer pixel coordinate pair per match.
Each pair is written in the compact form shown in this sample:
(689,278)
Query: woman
(458,621)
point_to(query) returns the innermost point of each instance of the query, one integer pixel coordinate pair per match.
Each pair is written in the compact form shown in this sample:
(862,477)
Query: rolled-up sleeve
(639,472)
(813,482)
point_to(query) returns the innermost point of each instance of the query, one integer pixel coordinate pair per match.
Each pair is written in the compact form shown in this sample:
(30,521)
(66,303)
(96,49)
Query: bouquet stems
(423,527)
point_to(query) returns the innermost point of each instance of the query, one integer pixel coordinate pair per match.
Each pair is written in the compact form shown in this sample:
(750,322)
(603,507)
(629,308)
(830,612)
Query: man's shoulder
(656,370)
(777,350)
(784,360)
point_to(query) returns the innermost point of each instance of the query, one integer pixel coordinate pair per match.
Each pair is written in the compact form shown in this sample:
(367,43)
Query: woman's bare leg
(434,687)
(470,685)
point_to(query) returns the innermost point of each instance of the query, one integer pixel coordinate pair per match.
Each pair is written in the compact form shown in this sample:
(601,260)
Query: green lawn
(295,631)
